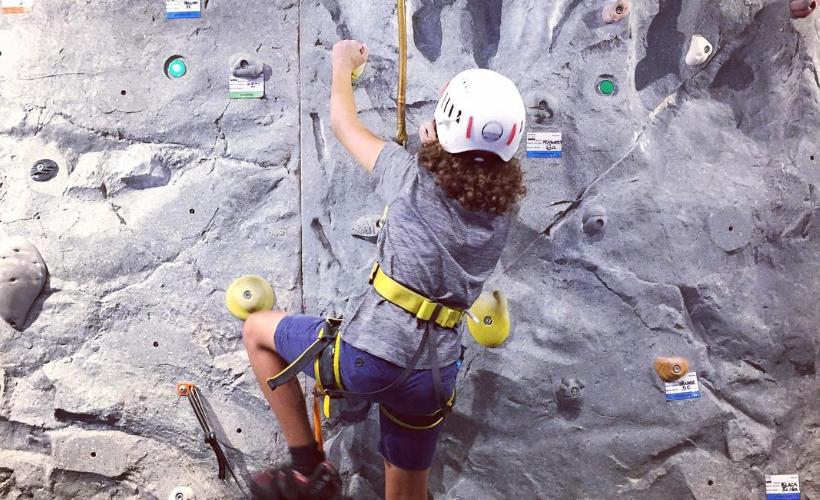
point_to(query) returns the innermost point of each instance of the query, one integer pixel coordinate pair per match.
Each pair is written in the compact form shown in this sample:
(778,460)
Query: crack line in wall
(299,179)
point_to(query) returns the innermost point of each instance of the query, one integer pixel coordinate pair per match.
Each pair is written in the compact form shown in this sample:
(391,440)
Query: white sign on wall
(782,487)
(686,387)
(183,9)
(544,145)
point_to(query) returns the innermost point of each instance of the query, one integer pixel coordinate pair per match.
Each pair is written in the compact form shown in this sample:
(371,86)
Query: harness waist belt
(412,302)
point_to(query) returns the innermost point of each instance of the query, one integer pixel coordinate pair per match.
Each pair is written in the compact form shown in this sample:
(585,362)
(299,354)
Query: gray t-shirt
(431,245)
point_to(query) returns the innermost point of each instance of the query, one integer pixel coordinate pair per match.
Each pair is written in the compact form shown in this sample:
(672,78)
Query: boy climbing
(449,211)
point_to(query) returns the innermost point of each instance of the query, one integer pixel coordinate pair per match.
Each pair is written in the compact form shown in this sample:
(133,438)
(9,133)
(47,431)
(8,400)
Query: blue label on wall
(683,395)
(543,154)
(182,15)
(686,387)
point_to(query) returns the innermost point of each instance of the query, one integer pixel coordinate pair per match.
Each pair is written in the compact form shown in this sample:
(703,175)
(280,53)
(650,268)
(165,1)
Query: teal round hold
(177,68)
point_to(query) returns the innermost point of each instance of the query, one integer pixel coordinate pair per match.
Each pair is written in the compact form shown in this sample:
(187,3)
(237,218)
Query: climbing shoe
(285,483)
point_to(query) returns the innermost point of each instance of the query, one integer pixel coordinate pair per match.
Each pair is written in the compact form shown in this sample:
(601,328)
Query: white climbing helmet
(480,110)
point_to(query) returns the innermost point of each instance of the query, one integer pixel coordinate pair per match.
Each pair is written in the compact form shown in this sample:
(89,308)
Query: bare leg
(401,484)
(287,401)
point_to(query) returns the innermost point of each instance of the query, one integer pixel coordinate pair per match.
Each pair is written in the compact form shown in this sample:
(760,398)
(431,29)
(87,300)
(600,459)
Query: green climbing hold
(177,68)
(606,87)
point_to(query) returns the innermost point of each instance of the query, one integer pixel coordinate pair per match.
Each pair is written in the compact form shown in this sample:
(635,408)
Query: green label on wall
(246,88)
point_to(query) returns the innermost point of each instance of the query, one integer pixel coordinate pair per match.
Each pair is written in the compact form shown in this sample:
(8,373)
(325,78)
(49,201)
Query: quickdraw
(191,392)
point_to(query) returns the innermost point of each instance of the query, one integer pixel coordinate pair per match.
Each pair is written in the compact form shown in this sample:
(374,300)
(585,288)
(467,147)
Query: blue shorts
(405,448)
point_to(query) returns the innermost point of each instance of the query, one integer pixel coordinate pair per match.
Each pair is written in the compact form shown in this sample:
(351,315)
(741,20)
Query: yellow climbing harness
(412,302)
(325,351)
(423,422)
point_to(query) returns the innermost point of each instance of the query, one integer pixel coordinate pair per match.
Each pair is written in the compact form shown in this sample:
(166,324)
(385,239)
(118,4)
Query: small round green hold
(177,68)
(606,87)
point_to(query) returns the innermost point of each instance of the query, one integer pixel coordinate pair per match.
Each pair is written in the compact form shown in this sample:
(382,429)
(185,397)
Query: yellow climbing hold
(358,72)
(249,294)
(489,319)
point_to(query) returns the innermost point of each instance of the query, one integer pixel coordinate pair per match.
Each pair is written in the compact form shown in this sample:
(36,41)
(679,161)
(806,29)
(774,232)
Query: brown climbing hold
(802,8)
(671,368)
(615,11)
(22,277)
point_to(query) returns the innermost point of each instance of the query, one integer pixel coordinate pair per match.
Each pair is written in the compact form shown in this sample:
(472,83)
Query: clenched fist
(348,55)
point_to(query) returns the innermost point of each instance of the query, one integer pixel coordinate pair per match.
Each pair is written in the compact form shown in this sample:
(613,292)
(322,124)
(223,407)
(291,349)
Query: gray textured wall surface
(167,191)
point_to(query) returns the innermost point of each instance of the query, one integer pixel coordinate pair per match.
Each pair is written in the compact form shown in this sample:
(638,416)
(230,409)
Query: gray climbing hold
(182,493)
(22,277)
(570,393)
(539,107)
(244,65)
(594,220)
(44,170)
(367,228)
(730,228)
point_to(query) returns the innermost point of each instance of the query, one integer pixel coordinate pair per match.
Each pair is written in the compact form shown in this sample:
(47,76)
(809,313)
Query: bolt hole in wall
(239,430)
(123,92)
(156,344)
(191,211)
(710,482)
(93,454)
(731,228)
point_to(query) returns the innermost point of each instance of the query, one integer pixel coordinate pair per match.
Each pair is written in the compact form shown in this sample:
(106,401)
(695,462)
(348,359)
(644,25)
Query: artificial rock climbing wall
(681,220)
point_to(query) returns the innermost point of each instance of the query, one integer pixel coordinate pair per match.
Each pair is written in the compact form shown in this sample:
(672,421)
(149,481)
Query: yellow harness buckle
(426,310)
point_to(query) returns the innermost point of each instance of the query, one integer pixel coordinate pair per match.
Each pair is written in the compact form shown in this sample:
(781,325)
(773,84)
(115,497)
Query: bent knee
(260,327)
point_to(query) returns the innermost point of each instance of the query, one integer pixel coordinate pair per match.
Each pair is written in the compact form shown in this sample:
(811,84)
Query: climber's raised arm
(360,142)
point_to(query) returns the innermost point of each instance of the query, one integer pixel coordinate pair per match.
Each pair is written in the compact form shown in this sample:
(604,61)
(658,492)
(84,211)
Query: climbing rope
(401,131)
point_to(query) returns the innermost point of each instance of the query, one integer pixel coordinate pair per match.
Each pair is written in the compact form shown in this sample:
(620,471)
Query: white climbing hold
(182,493)
(699,51)
(367,227)
(22,277)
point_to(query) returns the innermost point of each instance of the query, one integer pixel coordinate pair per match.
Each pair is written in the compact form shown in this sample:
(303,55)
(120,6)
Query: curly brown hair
(481,182)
